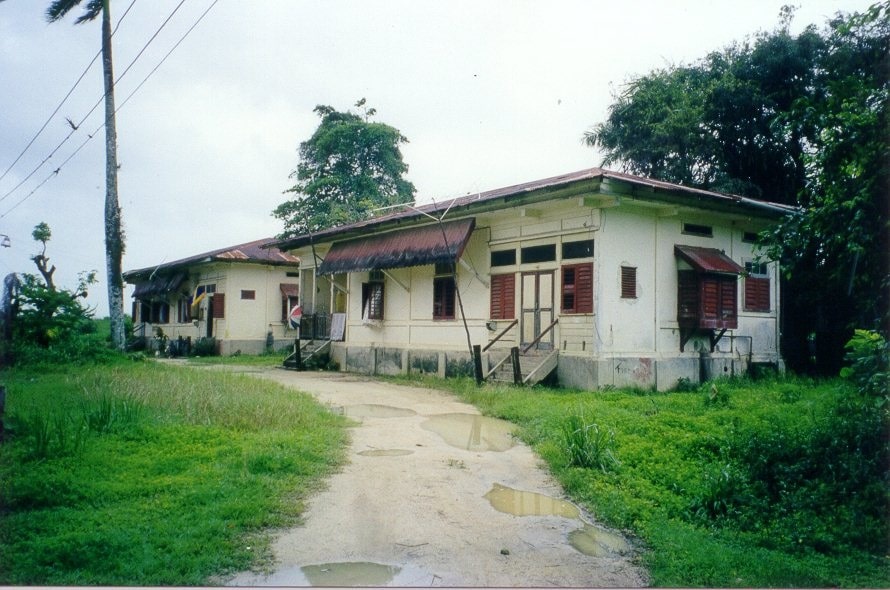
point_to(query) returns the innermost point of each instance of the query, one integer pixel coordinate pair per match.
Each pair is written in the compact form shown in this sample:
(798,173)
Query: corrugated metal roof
(249,252)
(429,244)
(159,285)
(659,191)
(709,260)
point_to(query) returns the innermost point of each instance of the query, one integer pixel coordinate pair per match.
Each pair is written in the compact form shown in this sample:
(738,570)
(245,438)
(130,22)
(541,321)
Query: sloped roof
(428,244)
(710,260)
(249,252)
(590,179)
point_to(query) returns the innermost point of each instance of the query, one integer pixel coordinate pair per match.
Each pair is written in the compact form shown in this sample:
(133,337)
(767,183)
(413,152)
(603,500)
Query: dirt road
(436,495)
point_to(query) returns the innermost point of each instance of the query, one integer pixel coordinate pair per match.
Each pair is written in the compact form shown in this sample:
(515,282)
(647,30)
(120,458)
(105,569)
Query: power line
(53,114)
(90,136)
(74,127)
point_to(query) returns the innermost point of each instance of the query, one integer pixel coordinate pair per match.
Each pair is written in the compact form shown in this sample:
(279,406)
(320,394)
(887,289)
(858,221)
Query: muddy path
(434,494)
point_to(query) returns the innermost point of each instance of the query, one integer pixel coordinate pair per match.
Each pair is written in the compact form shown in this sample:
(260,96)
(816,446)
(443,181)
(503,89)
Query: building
(240,296)
(611,279)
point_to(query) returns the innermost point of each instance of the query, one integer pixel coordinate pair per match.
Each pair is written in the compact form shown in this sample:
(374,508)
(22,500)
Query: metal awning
(289,289)
(158,285)
(709,260)
(429,244)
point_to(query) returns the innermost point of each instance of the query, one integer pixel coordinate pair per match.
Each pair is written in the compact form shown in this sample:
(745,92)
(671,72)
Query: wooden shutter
(628,282)
(503,297)
(577,287)
(757,293)
(687,298)
(219,305)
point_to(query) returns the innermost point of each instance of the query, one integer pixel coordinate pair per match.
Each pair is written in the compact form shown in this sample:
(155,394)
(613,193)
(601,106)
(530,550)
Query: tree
(43,234)
(350,167)
(114,238)
(800,120)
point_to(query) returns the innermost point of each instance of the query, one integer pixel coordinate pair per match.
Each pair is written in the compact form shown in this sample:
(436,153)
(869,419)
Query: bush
(204,347)
(869,356)
(588,446)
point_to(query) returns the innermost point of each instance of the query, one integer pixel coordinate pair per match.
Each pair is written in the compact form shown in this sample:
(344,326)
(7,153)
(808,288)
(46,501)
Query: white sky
(489,93)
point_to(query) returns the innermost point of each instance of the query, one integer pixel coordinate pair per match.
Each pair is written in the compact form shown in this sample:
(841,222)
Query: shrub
(869,356)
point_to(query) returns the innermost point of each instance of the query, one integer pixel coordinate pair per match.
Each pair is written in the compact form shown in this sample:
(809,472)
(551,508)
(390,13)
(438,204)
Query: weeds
(587,445)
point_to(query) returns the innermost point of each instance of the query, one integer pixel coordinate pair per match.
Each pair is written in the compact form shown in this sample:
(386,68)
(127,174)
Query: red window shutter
(577,288)
(219,305)
(757,293)
(503,296)
(728,302)
(687,298)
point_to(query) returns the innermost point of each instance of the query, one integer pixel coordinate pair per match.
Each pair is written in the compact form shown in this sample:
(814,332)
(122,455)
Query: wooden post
(517,370)
(477,364)
(298,353)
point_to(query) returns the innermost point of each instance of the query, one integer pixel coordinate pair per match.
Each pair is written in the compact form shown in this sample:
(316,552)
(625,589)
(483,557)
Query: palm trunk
(114,242)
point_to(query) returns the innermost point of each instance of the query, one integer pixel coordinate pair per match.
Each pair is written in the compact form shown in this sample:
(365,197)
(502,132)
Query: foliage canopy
(798,119)
(348,168)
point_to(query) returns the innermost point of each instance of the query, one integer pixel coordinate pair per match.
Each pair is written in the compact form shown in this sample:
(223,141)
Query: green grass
(766,484)
(143,474)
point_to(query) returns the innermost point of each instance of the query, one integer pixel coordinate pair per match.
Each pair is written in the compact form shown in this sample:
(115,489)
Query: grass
(734,484)
(142,474)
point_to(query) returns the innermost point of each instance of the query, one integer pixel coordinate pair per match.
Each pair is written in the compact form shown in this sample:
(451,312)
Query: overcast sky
(488,93)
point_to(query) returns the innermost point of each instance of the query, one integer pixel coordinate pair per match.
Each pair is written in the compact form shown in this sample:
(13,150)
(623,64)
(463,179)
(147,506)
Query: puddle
(598,542)
(373,411)
(472,432)
(385,453)
(520,503)
(350,573)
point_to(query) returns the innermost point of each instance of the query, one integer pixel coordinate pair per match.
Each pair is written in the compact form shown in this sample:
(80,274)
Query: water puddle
(519,503)
(350,573)
(598,542)
(472,432)
(373,411)
(385,453)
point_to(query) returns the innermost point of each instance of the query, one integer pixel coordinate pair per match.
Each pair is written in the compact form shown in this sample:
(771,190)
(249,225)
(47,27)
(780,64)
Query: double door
(537,308)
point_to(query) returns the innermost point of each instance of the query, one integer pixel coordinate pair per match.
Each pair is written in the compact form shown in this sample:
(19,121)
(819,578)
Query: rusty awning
(709,260)
(429,244)
(289,289)
(158,286)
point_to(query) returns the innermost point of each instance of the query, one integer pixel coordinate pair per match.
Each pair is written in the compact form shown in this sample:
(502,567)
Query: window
(503,258)
(503,297)
(248,294)
(158,312)
(443,292)
(183,310)
(581,249)
(292,274)
(218,305)
(749,237)
(628,282)
(694,229)
(577,288)
(545,253)
(288,303)
(706,301)
(372,299)
(757,286)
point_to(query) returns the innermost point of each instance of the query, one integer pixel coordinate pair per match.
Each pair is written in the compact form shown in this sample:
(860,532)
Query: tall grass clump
(143,474)
(587,445)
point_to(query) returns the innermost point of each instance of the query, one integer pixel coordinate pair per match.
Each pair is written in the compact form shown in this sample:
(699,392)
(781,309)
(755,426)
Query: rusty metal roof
(710,260)
(649,189)
(428,244)
(249,252)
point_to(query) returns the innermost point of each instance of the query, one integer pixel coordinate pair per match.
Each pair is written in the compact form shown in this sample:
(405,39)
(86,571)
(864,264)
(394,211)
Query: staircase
(308,349)
(534,366)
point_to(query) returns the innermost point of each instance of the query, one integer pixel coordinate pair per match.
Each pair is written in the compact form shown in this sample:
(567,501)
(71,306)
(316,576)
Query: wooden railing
(540,336)
(501,335)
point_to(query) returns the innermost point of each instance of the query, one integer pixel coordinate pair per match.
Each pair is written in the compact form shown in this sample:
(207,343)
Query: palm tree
(114,241)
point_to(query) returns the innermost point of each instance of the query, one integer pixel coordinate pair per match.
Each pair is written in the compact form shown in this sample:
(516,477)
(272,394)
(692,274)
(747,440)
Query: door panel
(537,307)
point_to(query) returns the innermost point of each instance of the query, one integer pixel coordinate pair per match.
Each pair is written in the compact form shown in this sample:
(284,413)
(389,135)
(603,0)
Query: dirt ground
(421,502)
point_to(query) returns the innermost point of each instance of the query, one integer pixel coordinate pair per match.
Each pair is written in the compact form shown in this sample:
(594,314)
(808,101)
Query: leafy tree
(114,238)
(797,119)
(350,167)
(49,318)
